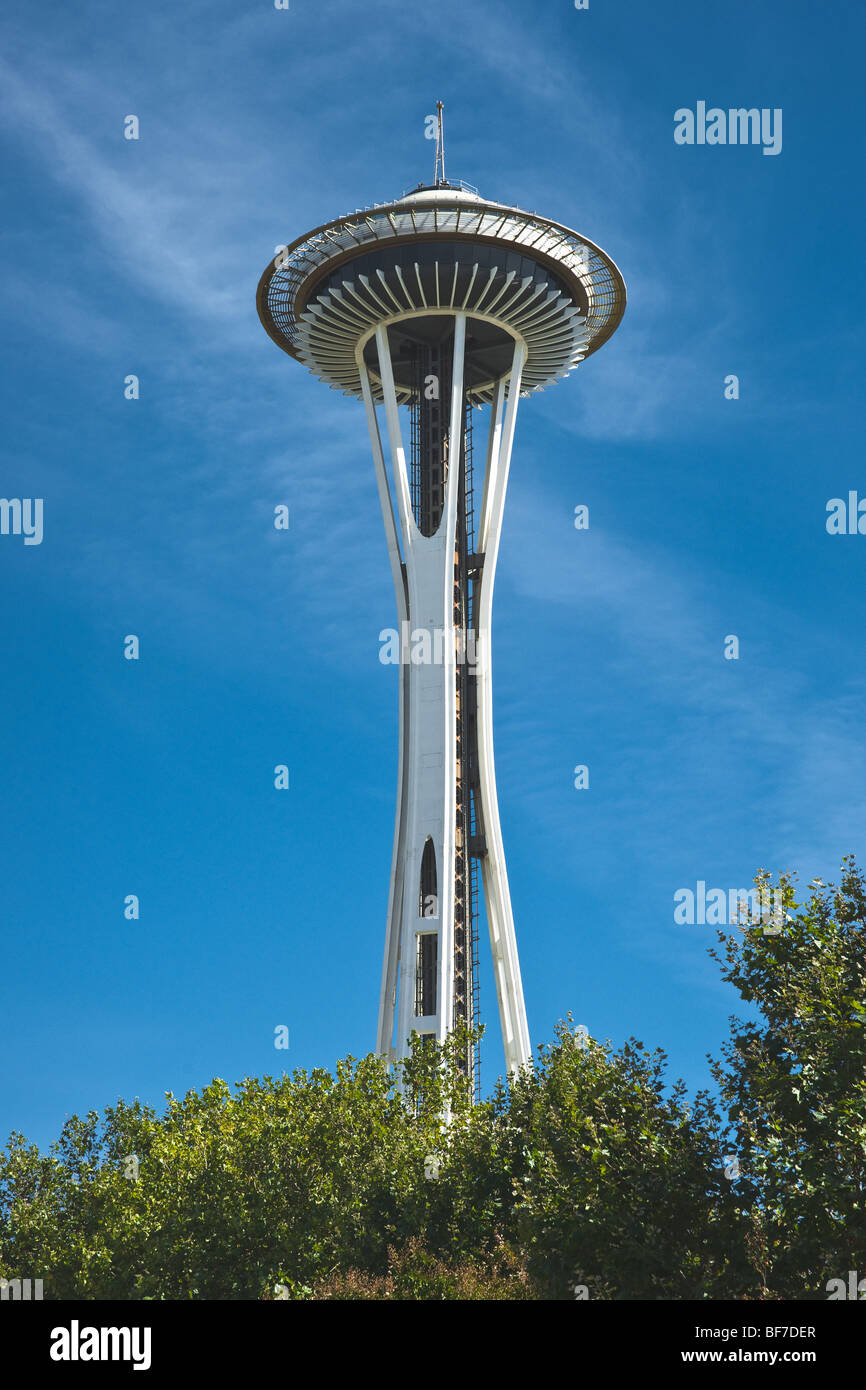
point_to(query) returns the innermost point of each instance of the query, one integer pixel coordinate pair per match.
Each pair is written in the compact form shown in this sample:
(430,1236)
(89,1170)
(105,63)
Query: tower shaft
(447,818)
(432,365)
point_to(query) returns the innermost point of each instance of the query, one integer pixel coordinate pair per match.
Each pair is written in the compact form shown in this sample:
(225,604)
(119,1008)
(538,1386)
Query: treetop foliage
(586,1175)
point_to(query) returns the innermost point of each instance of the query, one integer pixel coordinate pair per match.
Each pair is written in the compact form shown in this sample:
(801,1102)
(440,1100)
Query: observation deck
(435,252)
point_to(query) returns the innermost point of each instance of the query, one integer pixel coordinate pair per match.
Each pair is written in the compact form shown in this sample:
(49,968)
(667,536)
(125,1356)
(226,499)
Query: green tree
(794,1082)
(618,1186)
(588,1168)
(227,1195)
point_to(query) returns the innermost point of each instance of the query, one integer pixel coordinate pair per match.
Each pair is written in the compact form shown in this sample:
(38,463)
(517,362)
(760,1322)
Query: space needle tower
(427,309)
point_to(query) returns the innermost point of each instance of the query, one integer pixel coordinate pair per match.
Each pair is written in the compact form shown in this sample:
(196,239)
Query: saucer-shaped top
(434,252)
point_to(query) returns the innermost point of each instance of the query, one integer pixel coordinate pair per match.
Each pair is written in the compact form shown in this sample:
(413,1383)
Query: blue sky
(707,518)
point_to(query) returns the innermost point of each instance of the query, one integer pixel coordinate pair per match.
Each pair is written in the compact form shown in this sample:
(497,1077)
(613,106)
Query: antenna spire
(439,166)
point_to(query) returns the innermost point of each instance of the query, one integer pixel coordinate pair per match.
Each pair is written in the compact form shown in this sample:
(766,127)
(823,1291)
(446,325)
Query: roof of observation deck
(564,296)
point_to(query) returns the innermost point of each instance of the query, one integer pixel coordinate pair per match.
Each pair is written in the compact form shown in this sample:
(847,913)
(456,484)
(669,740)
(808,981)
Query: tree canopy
(588,1175)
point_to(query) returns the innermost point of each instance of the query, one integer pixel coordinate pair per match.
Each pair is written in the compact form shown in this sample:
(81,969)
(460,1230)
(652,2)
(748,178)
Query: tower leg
(500,919)
(391,964)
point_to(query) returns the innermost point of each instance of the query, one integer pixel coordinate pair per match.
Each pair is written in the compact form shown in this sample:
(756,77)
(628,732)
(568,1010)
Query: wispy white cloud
(182,221)
(797,782)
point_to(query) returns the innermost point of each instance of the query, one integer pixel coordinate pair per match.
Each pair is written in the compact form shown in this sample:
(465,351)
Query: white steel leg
(500,919)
